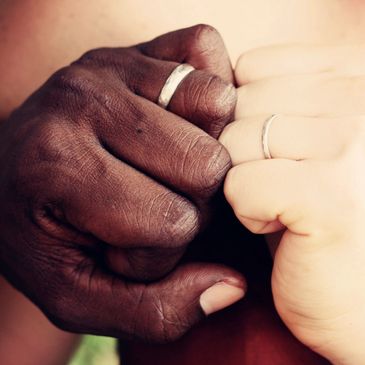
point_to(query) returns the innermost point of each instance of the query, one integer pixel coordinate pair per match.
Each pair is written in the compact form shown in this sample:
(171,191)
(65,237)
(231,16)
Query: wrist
(349,351)
(348,355)
(356,360)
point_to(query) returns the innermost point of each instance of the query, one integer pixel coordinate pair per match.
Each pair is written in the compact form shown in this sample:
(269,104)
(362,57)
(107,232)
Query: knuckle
(84,96)
(71,158)
(205,38)
(52,146)
(218,101)
(180,224)
(164,323)
(118,60)
(96,56)
(64,156)
(151,263)
(211,167)
(106,56)
(219,164)
(42,155)
(74,79)
(169,221)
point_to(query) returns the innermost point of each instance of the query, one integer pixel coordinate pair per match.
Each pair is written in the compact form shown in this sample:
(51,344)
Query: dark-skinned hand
(102,190)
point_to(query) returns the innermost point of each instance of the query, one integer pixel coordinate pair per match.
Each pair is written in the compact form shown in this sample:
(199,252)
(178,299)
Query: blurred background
(96,350)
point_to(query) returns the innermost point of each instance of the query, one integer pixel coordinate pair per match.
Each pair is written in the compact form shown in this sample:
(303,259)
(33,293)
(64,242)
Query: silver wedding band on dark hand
(172,83)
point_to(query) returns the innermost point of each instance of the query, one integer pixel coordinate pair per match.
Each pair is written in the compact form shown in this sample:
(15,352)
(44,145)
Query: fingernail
(219,296)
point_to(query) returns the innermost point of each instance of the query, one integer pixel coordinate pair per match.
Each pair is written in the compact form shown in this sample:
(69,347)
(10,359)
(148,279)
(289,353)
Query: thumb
(189,294)
(157,312)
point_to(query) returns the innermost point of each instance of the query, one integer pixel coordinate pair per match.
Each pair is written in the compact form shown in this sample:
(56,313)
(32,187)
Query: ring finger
(200,97)
(288,137)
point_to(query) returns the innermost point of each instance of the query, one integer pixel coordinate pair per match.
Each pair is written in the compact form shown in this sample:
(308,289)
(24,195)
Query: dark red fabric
(248,334)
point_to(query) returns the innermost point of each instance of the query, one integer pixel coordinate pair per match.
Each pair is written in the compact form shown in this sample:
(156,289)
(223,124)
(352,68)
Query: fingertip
(221,295)
(244,68)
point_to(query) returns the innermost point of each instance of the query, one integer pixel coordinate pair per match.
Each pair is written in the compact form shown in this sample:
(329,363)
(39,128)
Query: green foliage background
(96,351)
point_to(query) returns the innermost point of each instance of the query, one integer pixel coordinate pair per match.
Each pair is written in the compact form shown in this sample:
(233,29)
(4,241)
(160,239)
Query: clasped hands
(102,190)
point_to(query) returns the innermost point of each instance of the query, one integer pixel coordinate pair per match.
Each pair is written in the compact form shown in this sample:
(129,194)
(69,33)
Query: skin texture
(90,131)
(42,30)
(311,191)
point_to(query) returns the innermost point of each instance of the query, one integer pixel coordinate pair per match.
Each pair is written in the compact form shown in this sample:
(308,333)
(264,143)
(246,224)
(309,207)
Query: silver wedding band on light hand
(265,136)
(172,83)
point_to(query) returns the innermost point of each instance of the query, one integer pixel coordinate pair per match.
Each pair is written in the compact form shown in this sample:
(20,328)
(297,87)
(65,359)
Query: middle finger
(314,95)
(290,137)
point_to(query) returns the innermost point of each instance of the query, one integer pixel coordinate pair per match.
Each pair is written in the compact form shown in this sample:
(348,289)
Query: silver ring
(265,136)
(172,83)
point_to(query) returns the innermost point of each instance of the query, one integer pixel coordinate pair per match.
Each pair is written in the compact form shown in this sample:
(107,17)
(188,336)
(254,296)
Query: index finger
(295,59)
(93,301)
